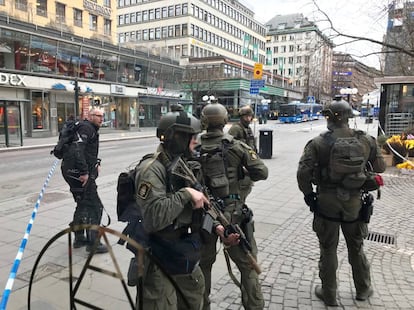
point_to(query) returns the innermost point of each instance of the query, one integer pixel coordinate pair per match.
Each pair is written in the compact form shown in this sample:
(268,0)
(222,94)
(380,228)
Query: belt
(233,196)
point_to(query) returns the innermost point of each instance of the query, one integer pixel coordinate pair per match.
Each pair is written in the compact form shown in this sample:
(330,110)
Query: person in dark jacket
(80,168)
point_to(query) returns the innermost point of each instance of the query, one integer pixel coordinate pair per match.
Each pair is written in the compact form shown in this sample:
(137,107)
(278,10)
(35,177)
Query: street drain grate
(41,272)
(381,238)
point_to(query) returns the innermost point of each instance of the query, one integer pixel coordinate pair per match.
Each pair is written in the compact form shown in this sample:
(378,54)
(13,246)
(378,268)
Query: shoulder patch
(253,155)
(143,190)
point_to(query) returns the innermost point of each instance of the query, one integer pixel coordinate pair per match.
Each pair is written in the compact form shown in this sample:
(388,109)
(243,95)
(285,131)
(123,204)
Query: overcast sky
(364,18)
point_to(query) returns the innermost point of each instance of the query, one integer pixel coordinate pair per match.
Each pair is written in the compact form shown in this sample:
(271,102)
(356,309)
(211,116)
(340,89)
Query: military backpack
(67,135)
(346,160)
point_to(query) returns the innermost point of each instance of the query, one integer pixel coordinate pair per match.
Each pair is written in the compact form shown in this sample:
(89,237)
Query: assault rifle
(214,210)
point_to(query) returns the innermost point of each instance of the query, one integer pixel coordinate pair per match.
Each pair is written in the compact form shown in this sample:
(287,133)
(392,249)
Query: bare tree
(388,46)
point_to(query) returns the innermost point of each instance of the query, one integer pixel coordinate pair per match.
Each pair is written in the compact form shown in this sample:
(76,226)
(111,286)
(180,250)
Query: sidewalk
(288,248)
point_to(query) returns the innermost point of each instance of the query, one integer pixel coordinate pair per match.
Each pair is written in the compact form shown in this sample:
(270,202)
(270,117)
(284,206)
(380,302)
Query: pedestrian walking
(224,161)
(80,168)
(332,174)
(172,216)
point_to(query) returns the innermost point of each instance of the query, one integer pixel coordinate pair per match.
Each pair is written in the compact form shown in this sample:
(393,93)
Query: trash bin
(265,143)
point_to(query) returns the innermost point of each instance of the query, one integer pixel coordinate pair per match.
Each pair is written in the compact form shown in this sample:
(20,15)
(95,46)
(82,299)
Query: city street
(288,249)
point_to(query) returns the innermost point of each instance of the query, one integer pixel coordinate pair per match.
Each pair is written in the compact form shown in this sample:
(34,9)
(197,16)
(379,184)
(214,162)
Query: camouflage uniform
(242,131)
(172,223)
(239,155)
(337,207)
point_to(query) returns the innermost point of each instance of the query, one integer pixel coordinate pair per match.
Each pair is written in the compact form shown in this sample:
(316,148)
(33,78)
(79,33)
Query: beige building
(85,18)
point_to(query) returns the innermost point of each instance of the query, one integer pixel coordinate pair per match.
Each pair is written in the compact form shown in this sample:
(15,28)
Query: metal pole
(76,99)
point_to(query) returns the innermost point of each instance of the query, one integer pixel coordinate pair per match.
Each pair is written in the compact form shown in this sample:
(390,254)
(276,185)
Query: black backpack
(127,209)
(67,135)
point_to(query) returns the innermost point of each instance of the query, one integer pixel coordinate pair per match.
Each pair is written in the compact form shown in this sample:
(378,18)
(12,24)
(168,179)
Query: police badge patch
(253,155)
(143,190)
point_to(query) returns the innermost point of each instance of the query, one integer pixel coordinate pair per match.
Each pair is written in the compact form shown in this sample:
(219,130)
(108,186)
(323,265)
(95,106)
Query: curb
(51,145)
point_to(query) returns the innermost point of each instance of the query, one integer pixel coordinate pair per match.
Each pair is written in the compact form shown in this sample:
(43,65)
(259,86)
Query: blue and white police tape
(19,255)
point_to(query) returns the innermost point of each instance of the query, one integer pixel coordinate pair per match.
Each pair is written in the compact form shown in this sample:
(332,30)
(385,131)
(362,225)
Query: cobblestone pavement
(290,254)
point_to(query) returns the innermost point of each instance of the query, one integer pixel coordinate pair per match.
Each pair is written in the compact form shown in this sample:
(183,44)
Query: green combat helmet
(178,121)
(246,110)
(214,115)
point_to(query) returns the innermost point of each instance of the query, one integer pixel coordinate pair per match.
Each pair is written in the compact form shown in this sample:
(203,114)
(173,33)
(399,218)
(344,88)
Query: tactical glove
(311,200)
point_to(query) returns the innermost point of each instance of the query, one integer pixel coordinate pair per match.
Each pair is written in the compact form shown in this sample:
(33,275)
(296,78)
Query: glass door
(10,124)
(65,111)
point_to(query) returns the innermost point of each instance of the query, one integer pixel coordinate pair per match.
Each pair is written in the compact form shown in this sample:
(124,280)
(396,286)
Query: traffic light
(258,71)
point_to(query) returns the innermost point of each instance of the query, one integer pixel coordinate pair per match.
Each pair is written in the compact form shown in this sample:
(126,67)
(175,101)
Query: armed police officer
(224,161)
(333,187)
(242,131)
(172,215)
(80,168)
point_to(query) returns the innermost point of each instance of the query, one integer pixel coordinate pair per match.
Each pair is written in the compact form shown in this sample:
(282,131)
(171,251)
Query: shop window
(40,111)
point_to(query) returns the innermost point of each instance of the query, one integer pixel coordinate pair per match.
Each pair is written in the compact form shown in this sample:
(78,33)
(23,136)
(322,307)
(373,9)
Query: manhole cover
(49,197)
(381,238)
(41,272)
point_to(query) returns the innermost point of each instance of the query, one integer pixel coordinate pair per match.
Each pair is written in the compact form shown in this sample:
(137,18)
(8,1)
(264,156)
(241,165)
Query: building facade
(300,52)
(47,75)
(349,73)
(207,35)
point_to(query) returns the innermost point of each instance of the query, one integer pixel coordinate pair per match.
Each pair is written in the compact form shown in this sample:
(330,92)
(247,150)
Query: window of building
(107,3)
(171,11)
(126,16)
(290,60)
(2,2)
(177,32)
(283,49)
(41,8)
(120,19)
(152,34)
(139,36)
(178,10)
(107,26)
(157,33)
(60,13)
(133,18)
(291,48)
(151,14)
(184,49)
(170,31)
(145,16)
(185,8)
(164,12)
(158,13)
(40,108)
(77,17)
(139,17)
(93,22)
(145,35)
(164,32)
(21,5)
(184,30)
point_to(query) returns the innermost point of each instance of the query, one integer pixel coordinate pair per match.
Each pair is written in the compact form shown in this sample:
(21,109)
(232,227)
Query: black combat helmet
(178,121)
(338,112)
(214,115)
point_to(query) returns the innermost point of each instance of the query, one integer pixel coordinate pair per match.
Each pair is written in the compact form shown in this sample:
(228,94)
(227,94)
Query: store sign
(96,8)
(12,79)
(118,89)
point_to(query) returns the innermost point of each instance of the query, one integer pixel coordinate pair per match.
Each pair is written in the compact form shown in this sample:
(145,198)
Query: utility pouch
(247,224)
(132,275)
(208,223)
(367,208)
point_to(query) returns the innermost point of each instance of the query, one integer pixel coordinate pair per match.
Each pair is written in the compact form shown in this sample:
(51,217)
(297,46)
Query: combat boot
(95,244)
(364,295)
(80,239)
(328,300)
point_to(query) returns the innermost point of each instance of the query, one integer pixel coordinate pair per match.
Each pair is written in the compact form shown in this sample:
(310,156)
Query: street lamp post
(348,92)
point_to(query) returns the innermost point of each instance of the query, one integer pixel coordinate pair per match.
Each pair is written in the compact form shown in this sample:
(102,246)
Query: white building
(302,53)
(192,28)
